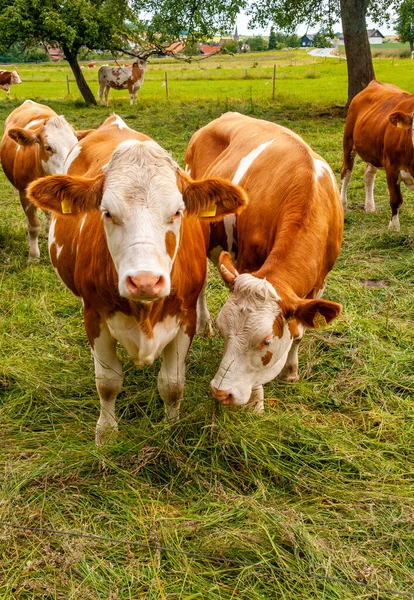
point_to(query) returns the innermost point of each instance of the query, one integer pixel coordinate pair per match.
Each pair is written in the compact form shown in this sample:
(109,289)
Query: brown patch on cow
(267,358)
(170,243)
(278,326)
(294,329)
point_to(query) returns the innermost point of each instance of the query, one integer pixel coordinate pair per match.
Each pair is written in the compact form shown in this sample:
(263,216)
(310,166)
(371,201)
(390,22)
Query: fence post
(166,85)
(67,83)
(274,82)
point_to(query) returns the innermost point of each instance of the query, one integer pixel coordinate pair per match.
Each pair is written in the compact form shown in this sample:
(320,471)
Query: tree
(70,24)
(404,25)
(353,13)
(322,40)
(256,43)
(272,45)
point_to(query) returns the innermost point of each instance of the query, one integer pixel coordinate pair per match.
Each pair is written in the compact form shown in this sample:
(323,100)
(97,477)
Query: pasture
(313,500)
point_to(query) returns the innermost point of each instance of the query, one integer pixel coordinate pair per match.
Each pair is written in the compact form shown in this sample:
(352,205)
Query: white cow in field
(122,78)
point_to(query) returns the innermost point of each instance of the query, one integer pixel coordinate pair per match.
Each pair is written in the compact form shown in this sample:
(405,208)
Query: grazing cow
(126,239)
(91,65)
(36,142)
(7,79)
(122,78)
(286,242)
(379,128)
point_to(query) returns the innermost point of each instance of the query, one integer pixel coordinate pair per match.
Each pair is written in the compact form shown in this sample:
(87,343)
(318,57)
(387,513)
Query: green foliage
(272,44)
(17,53)
(230,47)
(322,40)
(404,25)
(257,43)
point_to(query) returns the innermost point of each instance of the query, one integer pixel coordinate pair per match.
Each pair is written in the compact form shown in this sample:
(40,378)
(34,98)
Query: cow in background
(7,79)
(36,142)
(284,245)
(379,128)
(126,239)
(122,78)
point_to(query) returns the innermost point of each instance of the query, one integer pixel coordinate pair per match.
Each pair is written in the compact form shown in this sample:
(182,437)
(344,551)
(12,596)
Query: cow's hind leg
(203,316)
(108,377)
(396,198)
(106,94)
(172,374)
(33,226)
(369,180)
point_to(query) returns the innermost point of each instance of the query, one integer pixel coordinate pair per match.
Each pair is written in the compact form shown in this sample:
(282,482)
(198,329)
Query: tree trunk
(72,58)
(357,48)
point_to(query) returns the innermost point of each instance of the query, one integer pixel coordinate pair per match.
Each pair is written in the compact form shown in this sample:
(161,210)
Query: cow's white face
(15,77)
(55,141)
(257,340)
(142,210)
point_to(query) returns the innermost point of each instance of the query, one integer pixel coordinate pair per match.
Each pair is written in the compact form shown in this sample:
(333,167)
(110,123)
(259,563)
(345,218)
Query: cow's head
(258,327)
(54,138)
(15,77)
(143,196)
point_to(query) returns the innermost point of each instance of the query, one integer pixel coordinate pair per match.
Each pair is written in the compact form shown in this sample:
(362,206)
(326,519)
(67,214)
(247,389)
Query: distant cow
(379,128)
(122,78)
(7,79)
(126,239)
(285,243)
(91,65)
(35,143)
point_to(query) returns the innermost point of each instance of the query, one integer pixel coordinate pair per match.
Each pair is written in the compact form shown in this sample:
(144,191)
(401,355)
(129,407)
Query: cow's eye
(48,148)
(266,342)
(107,214)
(178,214)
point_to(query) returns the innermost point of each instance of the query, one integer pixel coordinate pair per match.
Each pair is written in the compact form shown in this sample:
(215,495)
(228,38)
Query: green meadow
(313,500)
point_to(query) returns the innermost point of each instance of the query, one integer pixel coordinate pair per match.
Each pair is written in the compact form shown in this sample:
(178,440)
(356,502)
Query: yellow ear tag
(66,207)
(209,212)
(399,125)
(319,321)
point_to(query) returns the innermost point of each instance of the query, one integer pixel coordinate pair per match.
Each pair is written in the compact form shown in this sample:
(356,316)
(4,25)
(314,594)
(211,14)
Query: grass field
(319,491)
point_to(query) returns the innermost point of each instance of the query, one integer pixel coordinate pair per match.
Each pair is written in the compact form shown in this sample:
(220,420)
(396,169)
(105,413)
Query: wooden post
(274,82)
(67,83)
(166,85)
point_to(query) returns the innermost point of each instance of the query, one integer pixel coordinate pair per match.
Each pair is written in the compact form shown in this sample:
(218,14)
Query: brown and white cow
(36,142)
(380,129)
(285,243)
(7,79)
(126,239)
(122,78)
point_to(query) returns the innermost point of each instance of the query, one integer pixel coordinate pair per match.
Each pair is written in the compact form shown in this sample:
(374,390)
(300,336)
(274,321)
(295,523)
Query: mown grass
(323,483)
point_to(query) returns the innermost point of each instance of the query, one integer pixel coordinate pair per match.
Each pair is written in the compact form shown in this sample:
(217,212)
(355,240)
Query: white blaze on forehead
(120,123)
(253,292)
(73,154)
(61,137)
(34,123)
(247,161)
(321,167)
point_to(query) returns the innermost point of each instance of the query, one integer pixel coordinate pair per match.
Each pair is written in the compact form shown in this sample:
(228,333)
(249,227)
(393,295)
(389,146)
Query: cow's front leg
(204,326)
(172,374)
(290,372)
(396,198)
(257,400)
(108,376)
(33,227)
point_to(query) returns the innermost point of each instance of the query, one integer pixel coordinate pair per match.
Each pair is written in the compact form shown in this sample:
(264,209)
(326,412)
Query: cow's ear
(212,199)
(313,314)
(23,137)
(81,133)
(65,194)
(227,269)
(401,119)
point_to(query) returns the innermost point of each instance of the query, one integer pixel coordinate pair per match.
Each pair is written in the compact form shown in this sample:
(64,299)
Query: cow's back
(294,213)
(368,124)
